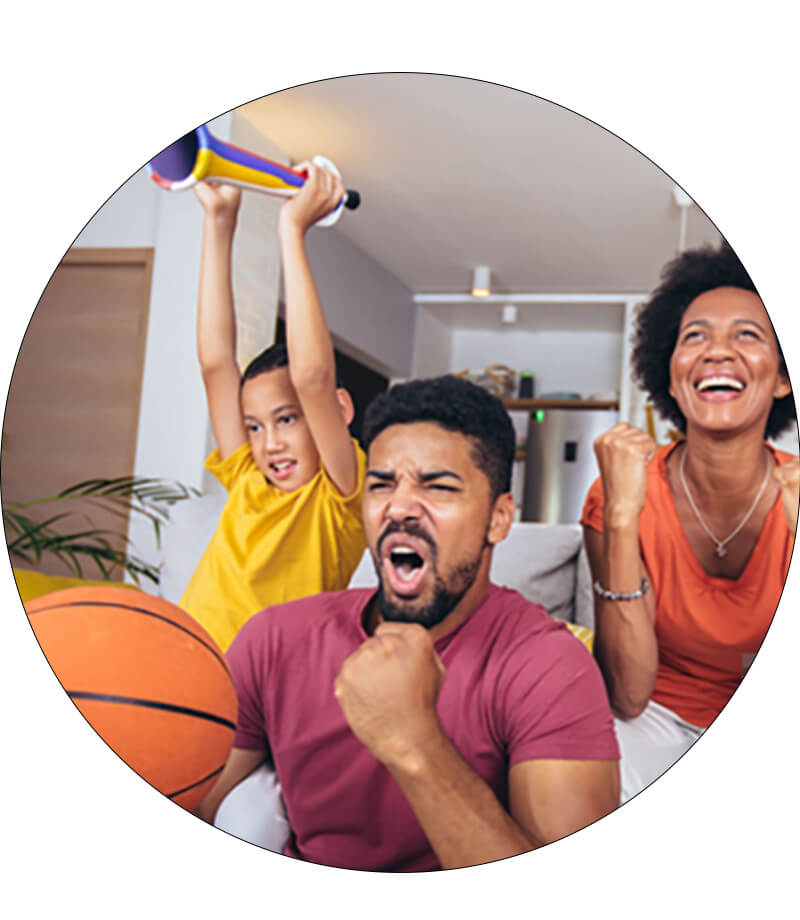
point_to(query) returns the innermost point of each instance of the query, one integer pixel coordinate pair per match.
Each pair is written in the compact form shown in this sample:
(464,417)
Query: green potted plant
(31,539)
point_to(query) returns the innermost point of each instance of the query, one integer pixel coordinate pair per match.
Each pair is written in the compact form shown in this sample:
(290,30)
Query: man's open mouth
(405,561)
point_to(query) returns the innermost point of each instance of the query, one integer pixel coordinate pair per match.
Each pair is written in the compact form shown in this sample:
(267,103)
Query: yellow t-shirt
(272,546)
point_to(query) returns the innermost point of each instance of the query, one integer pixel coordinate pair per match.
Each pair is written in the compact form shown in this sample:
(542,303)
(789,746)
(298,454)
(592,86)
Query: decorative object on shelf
(498,379)
(538,404)
(525,385)
(29,540)
(560,395)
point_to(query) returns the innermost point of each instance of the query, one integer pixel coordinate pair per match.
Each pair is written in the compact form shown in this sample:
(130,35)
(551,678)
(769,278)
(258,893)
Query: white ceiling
(455,173)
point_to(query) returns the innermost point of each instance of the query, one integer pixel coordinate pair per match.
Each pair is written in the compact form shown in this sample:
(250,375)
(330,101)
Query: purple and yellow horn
(199,155)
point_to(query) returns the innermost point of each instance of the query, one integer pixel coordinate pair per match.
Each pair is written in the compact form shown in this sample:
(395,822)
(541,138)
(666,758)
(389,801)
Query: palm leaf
(149,497)
(30,531)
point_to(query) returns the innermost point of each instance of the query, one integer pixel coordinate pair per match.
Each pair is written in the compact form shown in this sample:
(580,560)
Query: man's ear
(502,518)
(345,404)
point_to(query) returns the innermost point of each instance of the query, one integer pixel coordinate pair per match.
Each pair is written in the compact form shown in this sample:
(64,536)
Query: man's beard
(446,596)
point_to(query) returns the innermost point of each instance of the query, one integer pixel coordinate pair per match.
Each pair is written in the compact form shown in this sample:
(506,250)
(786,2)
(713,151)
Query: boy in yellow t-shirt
(291,526)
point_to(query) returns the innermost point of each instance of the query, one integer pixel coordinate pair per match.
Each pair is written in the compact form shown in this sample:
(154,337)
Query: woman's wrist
(622,519)
(608,594)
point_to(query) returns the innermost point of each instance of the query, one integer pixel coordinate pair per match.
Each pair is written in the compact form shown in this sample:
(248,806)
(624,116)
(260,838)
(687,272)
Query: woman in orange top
(689,544)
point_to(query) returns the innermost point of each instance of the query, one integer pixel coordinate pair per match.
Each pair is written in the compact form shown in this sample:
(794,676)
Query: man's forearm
(460,815)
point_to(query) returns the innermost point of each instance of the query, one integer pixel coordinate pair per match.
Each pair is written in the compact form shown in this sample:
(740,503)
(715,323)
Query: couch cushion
(32,584)
(191,525)
(539,561)
(583,633)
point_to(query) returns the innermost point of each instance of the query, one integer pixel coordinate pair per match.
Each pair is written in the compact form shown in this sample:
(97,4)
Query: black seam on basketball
(151,704)
(149,613)
(205,779)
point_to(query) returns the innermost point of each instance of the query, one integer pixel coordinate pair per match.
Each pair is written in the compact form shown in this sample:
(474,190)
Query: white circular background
(707,95)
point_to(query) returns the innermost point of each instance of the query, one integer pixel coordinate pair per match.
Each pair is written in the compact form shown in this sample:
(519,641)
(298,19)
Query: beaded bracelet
(613,596)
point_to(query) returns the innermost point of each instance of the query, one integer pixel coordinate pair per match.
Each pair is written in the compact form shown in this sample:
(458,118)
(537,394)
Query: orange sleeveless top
(708,629)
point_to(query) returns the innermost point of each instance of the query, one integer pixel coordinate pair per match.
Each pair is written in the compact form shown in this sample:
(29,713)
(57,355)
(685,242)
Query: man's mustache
(410,529)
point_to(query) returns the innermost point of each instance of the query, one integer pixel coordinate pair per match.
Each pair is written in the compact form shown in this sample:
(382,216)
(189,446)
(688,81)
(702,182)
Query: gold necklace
(720,550)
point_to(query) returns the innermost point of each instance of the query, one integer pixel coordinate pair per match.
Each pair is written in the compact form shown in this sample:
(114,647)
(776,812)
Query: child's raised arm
(216,320)
(312,366)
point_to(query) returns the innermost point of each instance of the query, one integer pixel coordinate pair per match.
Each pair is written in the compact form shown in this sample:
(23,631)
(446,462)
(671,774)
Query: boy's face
(279,436)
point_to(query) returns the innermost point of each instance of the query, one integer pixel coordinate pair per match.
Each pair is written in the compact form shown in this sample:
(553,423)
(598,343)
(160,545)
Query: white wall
(371,315)
(128,218)
(433,345)
(584,362)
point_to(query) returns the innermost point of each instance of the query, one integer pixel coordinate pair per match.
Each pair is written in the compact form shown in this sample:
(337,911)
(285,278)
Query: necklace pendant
(720,551)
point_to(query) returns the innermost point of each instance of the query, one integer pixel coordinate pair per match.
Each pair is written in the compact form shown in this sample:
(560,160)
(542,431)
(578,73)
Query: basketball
(149,679)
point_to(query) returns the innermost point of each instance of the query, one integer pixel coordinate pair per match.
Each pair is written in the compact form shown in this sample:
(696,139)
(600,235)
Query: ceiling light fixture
(481,277)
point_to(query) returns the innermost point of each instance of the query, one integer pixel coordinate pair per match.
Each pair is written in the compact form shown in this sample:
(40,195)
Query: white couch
(544,562)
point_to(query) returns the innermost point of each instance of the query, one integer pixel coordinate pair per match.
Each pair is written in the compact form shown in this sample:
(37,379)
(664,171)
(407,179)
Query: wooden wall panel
(73,403)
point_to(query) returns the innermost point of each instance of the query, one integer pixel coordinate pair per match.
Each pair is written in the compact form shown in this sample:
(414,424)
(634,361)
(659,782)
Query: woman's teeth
(719,383)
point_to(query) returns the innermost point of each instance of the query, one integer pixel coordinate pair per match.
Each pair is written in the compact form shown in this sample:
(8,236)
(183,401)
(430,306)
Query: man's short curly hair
(682,280)
(456,405)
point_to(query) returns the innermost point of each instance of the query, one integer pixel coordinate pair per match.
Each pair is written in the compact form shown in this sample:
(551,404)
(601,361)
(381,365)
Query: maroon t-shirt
(519,686)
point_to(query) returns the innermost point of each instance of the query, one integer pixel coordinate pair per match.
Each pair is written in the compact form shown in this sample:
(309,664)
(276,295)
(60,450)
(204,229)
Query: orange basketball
(148,678)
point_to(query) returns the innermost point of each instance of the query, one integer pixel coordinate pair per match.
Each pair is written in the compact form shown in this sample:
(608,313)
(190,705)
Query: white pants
(254,811)
(649,745)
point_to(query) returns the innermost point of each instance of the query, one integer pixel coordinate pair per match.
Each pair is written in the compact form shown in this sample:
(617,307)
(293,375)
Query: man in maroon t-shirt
(440,721)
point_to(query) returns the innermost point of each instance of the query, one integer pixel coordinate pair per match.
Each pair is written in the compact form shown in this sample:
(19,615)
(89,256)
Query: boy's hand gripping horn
(199,155)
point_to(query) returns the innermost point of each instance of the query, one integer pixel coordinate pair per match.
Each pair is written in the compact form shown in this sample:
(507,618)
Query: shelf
(533,404)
